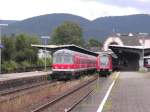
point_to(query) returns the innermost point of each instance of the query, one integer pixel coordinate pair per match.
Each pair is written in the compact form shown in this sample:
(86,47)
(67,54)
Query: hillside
(44,25)
(7,21)
(99,28)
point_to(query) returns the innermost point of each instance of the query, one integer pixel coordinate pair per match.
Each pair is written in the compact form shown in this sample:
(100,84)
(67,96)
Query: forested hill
(98,29)
(7,21)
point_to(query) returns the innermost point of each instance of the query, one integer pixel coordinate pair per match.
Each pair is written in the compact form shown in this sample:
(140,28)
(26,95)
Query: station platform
(8,81)
(11,76)
(129,93)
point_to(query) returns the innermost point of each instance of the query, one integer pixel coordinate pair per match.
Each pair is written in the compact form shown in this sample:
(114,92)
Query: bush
(9,66)
(41,62)
(25,65)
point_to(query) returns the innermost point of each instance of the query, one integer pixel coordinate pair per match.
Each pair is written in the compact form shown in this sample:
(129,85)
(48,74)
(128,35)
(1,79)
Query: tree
(18,53)
(24,51)
(9,48)
(93,43)
(67,33)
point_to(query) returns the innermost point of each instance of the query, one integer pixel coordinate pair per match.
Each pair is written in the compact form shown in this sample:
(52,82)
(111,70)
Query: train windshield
(62,58)
(57,58)
(67,59)
(104,60)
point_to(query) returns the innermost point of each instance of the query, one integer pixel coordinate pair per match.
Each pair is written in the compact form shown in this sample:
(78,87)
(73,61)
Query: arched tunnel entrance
(128,61)
(113,43)
(128,58)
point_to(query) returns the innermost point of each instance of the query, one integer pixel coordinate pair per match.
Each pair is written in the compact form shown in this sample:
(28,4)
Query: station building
(129,48)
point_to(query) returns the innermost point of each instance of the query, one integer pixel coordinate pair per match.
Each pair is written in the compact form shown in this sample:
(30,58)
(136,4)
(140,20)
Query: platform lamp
(45,39)
(1,25)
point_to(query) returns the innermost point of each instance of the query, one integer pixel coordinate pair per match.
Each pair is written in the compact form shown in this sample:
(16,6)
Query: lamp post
(1,25)
(45,38)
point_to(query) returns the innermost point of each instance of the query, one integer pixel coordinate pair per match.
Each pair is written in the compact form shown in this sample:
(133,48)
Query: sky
(90,9)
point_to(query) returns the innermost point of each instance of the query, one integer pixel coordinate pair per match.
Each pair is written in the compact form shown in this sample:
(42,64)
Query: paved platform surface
(4,77)
(130,93)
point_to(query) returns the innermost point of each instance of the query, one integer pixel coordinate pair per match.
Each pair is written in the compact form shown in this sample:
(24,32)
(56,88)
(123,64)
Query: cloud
(145,1)
(91,9)
(137,4)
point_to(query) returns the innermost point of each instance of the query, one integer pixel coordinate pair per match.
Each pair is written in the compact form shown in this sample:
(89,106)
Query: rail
(51,102)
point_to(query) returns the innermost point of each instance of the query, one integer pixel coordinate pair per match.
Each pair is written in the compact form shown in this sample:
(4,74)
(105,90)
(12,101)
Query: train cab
(104,64)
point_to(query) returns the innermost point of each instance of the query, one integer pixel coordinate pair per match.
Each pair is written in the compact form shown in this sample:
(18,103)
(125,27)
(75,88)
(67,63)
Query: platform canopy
(130,49)
(72,47)
(130,57)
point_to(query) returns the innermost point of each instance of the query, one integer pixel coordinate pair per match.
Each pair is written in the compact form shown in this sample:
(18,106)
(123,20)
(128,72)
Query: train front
(104,64)
(63,64)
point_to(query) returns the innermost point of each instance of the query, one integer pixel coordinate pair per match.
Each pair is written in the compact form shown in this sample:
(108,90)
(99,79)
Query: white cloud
(91,9)
(145,1)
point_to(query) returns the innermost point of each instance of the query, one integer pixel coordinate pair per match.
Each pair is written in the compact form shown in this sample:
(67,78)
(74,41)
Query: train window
(68,58)
(147,61)
(104,60)
(57,58)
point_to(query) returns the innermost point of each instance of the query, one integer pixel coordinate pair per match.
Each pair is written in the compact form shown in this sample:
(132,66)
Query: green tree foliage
(18,53)
(41,62)
(67,33)
(93,43)
(9,49)
(24,51)
(9,66)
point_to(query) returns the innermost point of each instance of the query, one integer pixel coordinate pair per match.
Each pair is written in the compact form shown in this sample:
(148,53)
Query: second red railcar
(104,64)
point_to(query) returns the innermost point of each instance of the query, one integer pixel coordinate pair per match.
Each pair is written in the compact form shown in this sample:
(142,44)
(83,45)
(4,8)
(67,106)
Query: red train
(68,64)
(72,61)
(147,62)
(104,64)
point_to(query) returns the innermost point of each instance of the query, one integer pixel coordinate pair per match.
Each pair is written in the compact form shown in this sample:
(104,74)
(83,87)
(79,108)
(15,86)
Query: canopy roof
(130,49)
(70,47)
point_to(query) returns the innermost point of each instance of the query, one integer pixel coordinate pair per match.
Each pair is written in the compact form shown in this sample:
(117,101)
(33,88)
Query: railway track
(21,92)
(75,95)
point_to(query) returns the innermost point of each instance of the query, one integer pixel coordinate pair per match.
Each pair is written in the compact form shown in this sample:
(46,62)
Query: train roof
(66,51)
(70,47)
(107,52)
